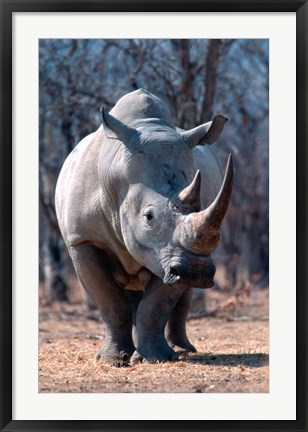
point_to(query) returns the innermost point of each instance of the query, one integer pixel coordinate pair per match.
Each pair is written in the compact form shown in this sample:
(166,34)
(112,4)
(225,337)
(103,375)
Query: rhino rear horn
(190,196)
(206,133)
(115,129)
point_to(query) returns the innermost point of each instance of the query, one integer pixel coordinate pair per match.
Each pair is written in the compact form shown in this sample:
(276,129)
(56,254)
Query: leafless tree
(196,78)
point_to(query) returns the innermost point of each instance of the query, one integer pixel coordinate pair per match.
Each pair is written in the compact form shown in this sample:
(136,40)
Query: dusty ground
(233,351)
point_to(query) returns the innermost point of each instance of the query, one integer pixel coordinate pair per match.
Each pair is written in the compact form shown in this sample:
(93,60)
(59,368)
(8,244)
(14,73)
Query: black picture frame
(8,7)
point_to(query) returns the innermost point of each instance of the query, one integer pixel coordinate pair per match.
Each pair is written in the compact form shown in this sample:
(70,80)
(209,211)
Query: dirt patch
(233,352)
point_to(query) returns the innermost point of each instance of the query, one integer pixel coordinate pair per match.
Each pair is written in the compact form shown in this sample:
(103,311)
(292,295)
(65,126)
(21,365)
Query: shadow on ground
(248,360)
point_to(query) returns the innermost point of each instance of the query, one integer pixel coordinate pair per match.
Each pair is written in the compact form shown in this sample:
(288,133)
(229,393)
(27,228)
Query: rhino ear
(206,133)
(115,129)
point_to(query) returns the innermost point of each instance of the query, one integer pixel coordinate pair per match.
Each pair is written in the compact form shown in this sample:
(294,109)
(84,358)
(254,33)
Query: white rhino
(140,204)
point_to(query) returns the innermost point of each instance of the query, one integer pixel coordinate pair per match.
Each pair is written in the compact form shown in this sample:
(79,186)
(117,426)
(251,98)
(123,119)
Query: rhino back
(78,193)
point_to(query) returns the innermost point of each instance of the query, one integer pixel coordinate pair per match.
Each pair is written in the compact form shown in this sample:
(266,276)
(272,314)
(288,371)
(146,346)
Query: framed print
(109,238)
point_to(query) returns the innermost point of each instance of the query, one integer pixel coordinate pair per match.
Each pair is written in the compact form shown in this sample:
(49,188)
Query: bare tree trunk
(188,112)
(211,69)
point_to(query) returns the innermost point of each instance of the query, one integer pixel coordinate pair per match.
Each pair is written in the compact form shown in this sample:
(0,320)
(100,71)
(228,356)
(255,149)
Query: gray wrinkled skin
(119,214)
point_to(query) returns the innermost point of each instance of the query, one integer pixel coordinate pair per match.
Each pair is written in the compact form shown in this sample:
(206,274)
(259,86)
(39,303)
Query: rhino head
(162,222)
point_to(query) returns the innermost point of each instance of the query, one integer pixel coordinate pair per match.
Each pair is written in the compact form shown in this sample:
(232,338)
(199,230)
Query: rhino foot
(177,338)
(187,347)
(154,354)
(179,342)
(137,358)
(114,357)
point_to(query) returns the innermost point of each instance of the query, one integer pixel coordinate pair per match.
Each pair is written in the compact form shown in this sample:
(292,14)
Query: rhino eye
(149,217)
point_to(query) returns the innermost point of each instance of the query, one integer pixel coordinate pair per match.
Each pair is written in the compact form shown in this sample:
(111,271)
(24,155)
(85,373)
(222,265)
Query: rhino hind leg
(152,316)
(91,268)
(176,327)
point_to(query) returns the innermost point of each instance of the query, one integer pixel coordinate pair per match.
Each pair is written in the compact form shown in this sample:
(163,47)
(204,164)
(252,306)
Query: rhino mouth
(185,275)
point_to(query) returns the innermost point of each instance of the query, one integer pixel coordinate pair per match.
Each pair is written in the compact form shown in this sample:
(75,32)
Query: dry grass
(232,352)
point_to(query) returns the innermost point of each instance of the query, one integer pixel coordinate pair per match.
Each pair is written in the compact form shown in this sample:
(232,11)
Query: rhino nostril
(171,276)
(174,272)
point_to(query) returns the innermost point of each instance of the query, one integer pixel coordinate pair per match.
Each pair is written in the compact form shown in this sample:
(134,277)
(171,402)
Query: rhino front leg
(91,268)
(176,327)
(152,316)
(134,298)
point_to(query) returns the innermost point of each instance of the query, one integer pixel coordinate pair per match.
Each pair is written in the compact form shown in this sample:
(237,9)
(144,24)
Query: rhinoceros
(140,203)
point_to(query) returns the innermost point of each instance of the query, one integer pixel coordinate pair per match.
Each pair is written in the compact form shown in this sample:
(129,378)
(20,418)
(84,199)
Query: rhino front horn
(200,231)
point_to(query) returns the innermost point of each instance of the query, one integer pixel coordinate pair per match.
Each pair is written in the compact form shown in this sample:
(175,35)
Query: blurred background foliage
(196,78)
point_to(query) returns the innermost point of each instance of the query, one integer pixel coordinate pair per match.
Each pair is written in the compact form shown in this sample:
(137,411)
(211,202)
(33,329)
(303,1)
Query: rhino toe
(155,354)
(162,358)
(180,349)
(136,358)
(117,359)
